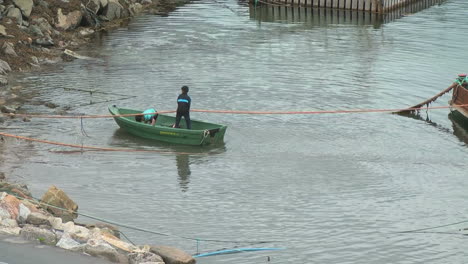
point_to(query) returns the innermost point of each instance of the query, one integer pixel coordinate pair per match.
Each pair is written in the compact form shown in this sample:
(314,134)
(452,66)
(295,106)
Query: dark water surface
(331,188)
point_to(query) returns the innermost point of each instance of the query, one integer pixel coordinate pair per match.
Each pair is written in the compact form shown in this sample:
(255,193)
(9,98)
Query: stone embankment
(44,223)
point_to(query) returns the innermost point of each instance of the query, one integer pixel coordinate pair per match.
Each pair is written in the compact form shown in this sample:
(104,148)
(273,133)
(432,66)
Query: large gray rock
(25,6)
(2,31)
(8,49)
(4,67)
(172,255)
(43,25)
(66,242)
(24,212)
(7,109)
(46,41)
(114,10)
(44,236)
(10,230)
(36,31)
(16,14)
(99,248)
(8,222)
(4,213)
(3,80)
(37,219)
(144,257)
(77,232)
(68,21)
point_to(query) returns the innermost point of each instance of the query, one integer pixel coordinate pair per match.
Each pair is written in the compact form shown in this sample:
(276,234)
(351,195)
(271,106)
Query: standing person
(183,107)
(149,116)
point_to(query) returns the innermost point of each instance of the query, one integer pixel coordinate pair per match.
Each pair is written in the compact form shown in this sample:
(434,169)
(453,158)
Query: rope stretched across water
(246,112)
(35,200)
(92,148)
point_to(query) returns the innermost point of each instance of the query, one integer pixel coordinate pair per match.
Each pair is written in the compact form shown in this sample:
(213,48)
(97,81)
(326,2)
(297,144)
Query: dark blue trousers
(186,116)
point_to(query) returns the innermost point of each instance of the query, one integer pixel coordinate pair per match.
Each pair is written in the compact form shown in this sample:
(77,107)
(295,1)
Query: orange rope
(251,112)
(321,112)
(94,148)
(85,116)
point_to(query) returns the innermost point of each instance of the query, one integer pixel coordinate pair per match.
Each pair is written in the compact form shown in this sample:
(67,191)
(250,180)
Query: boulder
(69,21)
(2,174)
(16,14)
(3,32)
(114,10)
(44,236)
(99,248)
(25,6)
(144,257)
(4,67)
(37,219)
(172,255)
(10,230)
(16,189)
(66,242)
(4,213)
(24,212)
(35,30)
(43,25)
(77,232)
(114,241)
(58,198)
(3,80)
(46,41)
(86,32)
(90,19)
(11,204)
(8,49)
(8,222)
(105,228)
(136,8)
(56,222)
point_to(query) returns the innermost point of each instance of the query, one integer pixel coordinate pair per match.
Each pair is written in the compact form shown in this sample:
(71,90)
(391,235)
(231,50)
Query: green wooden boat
(202,133)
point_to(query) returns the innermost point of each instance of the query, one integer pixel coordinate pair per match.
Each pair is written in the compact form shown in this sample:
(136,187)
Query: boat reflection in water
(184,155)
(183,169)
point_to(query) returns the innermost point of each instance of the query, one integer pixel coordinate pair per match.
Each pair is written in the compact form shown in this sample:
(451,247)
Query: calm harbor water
(332,188)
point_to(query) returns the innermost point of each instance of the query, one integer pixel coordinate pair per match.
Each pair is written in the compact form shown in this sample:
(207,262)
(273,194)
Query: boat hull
(202,133)
(459,103)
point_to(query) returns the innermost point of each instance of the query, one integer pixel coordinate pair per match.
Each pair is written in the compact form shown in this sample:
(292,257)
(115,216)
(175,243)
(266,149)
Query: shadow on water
(324,16)
(459,125)
(426,119)
(460,128)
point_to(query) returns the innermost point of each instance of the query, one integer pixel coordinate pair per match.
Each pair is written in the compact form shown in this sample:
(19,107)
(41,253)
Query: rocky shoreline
(35,33)
(51,221)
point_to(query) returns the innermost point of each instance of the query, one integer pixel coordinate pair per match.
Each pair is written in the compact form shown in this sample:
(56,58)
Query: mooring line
(429,228)
(92,148)
(351,111)
(36,200)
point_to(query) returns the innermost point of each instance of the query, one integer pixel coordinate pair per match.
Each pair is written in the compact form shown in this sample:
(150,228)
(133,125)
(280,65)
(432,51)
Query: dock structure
(324,16)
(375,6)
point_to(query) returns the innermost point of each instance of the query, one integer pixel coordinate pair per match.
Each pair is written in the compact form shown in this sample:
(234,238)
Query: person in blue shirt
(149,116)
(183,108)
